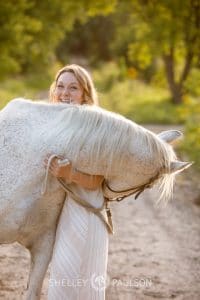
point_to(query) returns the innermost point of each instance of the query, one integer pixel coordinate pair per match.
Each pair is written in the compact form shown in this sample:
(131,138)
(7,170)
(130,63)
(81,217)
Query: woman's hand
(59,171)
(69,174)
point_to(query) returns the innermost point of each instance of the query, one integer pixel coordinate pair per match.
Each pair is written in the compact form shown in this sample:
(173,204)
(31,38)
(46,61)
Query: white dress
(79,262)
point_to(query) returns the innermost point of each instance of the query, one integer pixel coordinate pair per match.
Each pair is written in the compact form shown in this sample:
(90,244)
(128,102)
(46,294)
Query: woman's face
(68,89)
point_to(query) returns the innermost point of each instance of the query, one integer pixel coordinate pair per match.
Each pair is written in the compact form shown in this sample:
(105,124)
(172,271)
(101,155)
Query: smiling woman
(81,245)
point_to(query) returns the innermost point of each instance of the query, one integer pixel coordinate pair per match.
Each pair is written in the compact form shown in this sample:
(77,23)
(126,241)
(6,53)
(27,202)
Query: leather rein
(128,192)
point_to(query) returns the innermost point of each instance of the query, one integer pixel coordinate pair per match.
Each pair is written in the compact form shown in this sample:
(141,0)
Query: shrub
(191,144)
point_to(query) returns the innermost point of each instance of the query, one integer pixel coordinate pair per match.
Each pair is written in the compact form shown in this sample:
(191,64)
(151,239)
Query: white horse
(130,158)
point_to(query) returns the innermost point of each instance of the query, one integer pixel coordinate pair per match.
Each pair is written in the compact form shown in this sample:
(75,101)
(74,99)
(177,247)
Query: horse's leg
(41,252)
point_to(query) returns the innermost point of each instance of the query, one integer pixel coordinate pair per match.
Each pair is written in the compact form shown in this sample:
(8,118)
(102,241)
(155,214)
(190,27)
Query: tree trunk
(175,88)
(177,93)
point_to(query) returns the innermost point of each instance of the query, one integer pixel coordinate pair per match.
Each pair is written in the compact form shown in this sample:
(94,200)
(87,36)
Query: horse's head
(130,157)
(147,165)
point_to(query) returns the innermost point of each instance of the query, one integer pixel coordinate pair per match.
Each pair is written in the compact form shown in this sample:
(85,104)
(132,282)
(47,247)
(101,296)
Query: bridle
(128,192)
(98,211)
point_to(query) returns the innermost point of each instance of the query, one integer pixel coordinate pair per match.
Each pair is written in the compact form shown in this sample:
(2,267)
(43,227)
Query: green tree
(88,40)
(32,29)
(13,39)
(168,30)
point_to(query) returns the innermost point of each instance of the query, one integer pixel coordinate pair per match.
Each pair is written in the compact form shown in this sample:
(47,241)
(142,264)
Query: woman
(79,261)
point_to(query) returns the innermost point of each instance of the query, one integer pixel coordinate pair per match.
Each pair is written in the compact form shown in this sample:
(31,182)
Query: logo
(99,282)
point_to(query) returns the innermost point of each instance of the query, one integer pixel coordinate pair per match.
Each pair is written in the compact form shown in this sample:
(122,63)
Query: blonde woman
(79,262)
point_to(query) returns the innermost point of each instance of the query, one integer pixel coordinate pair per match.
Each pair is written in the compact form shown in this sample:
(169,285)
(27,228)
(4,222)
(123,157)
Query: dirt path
(154,253)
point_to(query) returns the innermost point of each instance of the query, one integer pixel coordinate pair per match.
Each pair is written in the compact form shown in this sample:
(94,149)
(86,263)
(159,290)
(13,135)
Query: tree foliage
(144,32)
(32,29)
(90,39)
(169,30)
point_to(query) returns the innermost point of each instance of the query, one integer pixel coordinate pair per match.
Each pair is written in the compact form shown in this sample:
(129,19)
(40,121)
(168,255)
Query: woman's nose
(66,92)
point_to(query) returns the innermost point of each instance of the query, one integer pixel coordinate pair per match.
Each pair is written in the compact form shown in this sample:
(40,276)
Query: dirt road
(154,253)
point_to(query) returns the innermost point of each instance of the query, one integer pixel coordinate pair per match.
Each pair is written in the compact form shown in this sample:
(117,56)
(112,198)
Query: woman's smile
(66,101)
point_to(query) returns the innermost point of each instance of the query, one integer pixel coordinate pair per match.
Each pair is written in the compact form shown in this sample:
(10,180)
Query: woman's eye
(59,86)
(74,88)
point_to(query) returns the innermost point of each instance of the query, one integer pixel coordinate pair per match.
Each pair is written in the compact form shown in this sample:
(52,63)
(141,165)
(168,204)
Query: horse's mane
(105,134)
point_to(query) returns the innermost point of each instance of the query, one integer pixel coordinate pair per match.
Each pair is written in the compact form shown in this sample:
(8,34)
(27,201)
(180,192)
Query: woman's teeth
(66,100)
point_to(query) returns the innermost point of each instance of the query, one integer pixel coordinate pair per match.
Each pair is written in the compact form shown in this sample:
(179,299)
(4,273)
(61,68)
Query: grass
(27,87)
(142,103)
(191,145)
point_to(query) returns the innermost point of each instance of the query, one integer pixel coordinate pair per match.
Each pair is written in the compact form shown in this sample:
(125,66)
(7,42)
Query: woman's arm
(91,182)
(69,174)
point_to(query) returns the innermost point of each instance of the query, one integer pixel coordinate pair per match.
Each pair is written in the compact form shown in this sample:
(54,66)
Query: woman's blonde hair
(84,79)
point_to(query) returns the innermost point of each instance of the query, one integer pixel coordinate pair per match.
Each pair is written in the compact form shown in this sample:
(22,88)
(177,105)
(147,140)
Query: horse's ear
(170,136)
(178,166)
